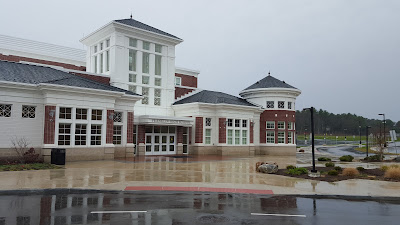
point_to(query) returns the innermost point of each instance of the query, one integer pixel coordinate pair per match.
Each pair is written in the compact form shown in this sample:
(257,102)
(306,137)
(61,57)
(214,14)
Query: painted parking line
(198,189)
(286,215)
(97,212)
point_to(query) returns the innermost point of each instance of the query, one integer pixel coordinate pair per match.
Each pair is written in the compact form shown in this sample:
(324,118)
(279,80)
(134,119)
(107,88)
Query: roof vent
(284,82)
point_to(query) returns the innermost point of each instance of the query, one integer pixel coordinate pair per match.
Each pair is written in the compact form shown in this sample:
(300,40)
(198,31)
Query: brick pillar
(129,138)
(110,127)
(222,130)
(179,133)
(251,132)
(49,124)
(263,127)
(199,130)
(141,134)
(276,132)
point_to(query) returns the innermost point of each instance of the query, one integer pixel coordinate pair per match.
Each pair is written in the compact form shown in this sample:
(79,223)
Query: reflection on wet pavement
(188,208)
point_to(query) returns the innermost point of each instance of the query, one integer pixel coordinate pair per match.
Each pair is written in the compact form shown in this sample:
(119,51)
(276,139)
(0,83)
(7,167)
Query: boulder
(397,159)
(268,168)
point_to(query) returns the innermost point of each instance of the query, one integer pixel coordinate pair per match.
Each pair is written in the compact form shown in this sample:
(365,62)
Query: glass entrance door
(160,140)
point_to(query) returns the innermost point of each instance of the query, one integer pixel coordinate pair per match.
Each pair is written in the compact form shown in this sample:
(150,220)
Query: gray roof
(32,74)
(140,25)
(214,97)
(269,82)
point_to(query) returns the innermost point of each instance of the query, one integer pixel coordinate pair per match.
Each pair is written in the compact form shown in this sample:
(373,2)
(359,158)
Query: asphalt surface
(88,207)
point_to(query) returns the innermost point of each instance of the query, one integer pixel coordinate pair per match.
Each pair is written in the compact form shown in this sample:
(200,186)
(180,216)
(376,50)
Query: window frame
(29,114)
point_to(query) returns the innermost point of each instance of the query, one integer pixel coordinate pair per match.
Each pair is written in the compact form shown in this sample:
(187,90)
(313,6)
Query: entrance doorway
(160,140)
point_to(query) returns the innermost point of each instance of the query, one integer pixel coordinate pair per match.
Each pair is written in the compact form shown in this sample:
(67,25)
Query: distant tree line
(340,124)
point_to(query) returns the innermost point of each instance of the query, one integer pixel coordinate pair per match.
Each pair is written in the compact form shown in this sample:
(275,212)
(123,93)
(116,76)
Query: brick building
(123,96)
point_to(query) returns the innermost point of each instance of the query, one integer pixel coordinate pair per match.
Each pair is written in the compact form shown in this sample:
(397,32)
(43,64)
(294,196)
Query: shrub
(352,172)
(290,167)
(393,173)
(394,166)
(384,168)
(338,168)
(346,158)
(333,172)
(297,171)
(374,158)
(360,168)
(329,164)
(324,159)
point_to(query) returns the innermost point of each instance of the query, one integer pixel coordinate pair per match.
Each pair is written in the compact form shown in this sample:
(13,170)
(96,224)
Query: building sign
(164,121)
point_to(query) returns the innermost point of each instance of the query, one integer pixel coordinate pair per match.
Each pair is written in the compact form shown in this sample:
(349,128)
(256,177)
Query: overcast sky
(344,55)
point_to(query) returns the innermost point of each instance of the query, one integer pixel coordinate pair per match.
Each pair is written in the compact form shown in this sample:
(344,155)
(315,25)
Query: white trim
(187,72)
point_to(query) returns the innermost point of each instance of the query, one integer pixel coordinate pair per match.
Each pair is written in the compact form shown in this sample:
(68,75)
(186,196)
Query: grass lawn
(33,166)
(333,137)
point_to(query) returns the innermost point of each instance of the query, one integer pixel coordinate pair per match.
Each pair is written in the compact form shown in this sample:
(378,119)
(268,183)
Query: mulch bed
(368,174)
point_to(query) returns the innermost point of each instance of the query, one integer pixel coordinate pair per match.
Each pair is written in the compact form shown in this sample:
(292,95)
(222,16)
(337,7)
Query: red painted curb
(199,189)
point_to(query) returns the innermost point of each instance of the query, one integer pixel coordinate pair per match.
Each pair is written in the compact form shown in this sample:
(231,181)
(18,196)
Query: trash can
(58,156)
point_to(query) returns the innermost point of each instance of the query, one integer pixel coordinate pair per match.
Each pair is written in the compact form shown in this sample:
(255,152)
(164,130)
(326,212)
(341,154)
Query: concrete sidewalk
(236,173)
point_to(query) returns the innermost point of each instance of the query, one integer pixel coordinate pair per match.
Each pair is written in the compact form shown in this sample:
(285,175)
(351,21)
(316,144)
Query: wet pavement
(342,150)
(191,208)
(238,173)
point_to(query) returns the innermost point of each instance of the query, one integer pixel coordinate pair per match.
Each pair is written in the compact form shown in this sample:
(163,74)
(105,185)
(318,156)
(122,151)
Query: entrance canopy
(165,120)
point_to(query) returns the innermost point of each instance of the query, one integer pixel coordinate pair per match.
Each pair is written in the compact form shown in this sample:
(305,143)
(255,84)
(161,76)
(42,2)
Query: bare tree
(380,146)
(20,146)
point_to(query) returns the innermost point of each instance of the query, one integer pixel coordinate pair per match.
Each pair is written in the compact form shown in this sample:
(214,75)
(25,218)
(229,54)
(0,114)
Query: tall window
(157,96)
(80,134)
(281,137)
(145,62)
(289,105)
(230,137)
(146,45)
(145,80)
(28,111)
(95,64)
(132,42)
(158,48)
(208,136)
(5,110)
(157,69)
(97,114)
(271,137)
(107,60)
(270,104)
(64,134)
(290,126)
(95,137)
(132,60)
(290,137)
(117,135)
(157,81)
(244,137)
(65,113)
(145,94)
(132,78)
(101,63)
(237,131)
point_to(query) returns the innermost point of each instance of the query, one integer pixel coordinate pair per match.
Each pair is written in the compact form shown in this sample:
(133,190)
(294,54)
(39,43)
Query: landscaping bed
(369,174)
(31,166)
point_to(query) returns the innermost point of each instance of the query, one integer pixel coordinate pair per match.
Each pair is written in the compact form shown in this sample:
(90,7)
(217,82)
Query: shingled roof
(214,97)
(269,82)
(32,74)
(140,25)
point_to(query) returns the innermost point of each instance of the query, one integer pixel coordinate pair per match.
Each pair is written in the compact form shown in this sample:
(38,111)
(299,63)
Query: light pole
(312,139)
(305,137)
(359,126)
(366,135)
(384,128)
(345,138)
